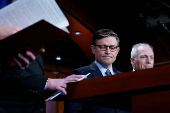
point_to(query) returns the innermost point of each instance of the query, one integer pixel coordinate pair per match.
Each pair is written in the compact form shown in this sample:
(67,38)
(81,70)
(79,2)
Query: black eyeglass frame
(104,47)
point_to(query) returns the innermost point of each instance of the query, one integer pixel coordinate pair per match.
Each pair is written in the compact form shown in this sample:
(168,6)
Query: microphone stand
(159,22)
(141,16)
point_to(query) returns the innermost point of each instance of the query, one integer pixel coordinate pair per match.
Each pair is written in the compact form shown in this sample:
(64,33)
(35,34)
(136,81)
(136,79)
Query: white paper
(84,76)
(23,13)
(58,92)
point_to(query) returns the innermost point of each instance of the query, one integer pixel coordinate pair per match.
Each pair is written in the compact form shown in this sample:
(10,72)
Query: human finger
(63,91)
(30,56)
(18,63)
(24,59)
(42,50)
(63,85)
(21,61)
(73,78)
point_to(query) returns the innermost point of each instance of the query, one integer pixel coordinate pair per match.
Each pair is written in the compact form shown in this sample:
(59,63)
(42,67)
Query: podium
(143,91)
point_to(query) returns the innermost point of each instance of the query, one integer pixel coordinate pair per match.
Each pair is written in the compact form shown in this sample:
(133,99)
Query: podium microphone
(159,22)
(142,17)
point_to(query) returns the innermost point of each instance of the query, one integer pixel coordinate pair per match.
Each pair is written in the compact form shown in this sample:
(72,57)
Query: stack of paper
(23,13)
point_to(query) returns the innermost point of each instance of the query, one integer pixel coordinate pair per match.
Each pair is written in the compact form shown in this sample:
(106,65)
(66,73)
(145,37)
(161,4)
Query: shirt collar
(103,70)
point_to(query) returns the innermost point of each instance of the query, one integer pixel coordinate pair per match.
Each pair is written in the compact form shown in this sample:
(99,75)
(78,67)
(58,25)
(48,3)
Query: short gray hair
(134,49)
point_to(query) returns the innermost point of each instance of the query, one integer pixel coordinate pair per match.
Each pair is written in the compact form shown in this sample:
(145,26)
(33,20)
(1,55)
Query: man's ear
(92,49)
(118,49)
(132,61)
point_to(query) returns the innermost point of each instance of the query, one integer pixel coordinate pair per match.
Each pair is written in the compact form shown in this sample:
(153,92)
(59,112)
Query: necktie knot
(108,73)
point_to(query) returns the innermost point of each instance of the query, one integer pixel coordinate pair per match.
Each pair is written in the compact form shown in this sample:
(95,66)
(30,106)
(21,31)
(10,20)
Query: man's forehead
(107,40)
(145,50)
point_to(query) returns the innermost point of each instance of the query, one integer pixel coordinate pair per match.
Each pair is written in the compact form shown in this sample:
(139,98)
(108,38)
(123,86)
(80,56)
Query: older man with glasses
(105,47)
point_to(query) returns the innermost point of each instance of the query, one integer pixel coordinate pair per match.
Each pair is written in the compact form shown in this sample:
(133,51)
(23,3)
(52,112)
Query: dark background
(121,16)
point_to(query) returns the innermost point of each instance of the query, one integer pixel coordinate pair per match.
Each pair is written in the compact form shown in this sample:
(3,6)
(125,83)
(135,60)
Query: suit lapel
(95,70)
(116,71)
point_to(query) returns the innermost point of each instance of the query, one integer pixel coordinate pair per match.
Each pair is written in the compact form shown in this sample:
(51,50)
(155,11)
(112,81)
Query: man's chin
(148,67)
(106,64)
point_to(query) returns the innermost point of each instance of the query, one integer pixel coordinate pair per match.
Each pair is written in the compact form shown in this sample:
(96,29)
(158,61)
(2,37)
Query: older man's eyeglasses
(104,47)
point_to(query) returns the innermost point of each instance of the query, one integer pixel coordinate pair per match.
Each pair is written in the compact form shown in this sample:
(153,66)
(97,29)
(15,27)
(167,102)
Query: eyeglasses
(104,47)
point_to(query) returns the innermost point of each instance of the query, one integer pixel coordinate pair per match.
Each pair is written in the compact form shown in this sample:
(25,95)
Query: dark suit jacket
(77,107)
(22,90)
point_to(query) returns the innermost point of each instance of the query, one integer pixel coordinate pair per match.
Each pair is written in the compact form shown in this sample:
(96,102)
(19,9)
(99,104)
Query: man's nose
(149,60)
(108,50)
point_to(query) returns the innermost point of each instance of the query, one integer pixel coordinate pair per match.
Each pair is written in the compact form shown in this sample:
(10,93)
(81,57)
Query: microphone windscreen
(140,15)
(159,22)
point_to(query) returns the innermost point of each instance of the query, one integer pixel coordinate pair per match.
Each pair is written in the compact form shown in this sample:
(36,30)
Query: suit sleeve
(31,80)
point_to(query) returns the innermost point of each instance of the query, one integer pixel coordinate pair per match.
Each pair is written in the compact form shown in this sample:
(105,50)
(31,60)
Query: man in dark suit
(23,89)
(105,47)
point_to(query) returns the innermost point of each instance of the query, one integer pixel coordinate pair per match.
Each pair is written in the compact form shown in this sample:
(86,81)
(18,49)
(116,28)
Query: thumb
(42,50)
(63,91)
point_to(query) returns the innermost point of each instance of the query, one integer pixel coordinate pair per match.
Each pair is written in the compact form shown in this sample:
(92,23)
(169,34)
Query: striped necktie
(108,73)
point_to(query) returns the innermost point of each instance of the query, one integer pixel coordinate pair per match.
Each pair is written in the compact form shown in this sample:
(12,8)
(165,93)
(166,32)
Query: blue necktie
(108,73)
